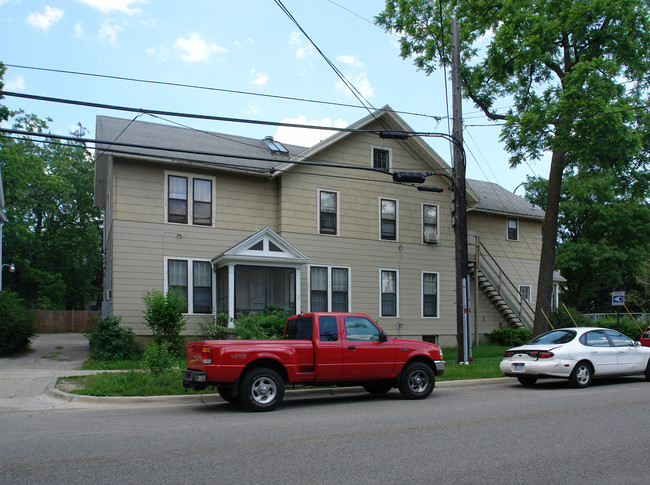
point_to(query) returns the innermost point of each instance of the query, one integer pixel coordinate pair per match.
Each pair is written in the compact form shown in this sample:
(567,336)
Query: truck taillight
(206,355)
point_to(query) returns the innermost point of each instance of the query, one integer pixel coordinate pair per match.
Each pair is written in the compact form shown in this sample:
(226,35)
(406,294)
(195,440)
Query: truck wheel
(225,391)
(378,387)
(261,389)
(416,381)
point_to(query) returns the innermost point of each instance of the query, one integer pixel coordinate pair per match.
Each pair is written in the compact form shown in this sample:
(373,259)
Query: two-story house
(237,224)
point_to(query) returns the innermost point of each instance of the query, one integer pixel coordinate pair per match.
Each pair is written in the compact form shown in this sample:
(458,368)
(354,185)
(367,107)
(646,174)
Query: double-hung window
(328,212)
(189,200)
(389,304)
(513,229)
(329,289)
(193,280)
(429,295)
(429,223)
(381,158)
(388,209)
(525,293)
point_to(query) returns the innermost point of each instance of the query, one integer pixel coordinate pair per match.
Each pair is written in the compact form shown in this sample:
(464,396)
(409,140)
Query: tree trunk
(549,240)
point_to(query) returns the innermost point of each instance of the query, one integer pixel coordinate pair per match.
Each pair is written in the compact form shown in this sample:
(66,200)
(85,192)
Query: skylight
(275,146)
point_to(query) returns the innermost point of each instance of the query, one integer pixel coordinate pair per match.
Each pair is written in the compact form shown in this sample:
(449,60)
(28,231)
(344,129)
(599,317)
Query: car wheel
(417,381)
(527,380)
(225,391)
(261,389)
(647,371)
(581,375)
(378,387)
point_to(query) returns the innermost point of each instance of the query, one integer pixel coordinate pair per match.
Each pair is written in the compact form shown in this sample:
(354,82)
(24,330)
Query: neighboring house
(245,223)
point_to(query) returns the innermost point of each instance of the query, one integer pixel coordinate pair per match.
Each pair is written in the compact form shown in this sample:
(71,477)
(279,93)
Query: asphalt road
(493,431)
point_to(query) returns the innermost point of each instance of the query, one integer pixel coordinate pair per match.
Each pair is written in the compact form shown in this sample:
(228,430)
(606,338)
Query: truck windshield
(299,328)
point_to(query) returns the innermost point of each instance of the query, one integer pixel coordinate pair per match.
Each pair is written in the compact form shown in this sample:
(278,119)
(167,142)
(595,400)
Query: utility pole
(463,332)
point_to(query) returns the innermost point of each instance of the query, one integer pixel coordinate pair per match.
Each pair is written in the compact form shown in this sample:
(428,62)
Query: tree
(603,235)
(574,72)
(54,233)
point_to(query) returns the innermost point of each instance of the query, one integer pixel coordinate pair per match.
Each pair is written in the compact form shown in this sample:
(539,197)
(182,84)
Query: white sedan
(578,354)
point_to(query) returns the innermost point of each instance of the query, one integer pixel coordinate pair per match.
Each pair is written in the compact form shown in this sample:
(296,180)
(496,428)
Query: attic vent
(259,246)
(275,146)
(273,247)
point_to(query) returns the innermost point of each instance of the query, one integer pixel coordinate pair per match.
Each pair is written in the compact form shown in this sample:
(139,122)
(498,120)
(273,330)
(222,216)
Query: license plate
(518,367)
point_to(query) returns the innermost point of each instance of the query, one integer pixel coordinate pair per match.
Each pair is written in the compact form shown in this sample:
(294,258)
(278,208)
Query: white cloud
(109,6)
(16,84)
(161,53)
(252,110)
(259,78)
(196,49)
(360,82)
(79,29)
(304,136)
(350,60)
(303,49)
(109,32)
(45,20)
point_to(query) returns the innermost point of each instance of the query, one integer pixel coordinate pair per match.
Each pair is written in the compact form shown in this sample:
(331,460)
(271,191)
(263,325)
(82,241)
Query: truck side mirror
(383,336)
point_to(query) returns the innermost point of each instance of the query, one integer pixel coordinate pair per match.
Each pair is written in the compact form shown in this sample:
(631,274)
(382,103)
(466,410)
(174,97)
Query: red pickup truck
(317,349)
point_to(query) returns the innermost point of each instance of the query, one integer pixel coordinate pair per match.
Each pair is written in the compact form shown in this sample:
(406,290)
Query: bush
(510,337)
(561,319)
(627,326)
(158,357)
(17,324)
(164,316)
(266,325)
(110,341)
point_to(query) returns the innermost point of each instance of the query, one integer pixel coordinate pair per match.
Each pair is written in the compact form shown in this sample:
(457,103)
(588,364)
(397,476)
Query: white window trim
(379,199)
(422,222)
(396,271)
(329,285)
(190,197)
(372,155)
(338,212)
(508,228)
(190,282)
(530,292)
(437,294)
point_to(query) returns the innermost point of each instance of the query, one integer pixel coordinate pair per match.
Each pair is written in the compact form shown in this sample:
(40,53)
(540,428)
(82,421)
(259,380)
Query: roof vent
(275,146)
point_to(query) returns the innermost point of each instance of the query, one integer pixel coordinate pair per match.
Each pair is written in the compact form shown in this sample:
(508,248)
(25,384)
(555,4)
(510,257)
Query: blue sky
(249,46)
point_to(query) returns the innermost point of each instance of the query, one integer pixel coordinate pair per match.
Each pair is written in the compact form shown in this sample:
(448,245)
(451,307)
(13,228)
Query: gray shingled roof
(258,155)
(494,198)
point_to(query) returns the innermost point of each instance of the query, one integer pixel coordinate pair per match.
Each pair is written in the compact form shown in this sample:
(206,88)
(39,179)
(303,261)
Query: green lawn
(136,382)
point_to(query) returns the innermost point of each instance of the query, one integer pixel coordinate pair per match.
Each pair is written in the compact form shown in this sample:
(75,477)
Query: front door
(364,354)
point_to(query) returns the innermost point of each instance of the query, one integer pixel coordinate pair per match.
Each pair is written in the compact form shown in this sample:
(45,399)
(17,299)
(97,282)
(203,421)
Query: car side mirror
(383,336)
(637,343)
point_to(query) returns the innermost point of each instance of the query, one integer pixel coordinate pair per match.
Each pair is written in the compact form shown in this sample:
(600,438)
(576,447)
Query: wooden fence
(61,321)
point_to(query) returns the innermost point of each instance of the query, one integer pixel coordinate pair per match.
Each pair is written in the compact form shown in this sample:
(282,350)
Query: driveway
(25,378)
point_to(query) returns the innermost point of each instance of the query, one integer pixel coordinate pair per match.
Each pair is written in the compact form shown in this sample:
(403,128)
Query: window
(525,293)
(513,229)
(429,295)
(388,216)
(429,223)
(328,289)
(618,339)
(381,159)
(328,329)
(257,287)
(328,212)
(198,295)
(185,205)
(202,202)
(596,338)
(359,328)
(299,328)
(177,203)
(389,302)
(432,339)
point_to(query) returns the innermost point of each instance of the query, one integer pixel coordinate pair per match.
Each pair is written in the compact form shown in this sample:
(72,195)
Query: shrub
(510,337)
(626,326)
(17,324)
(266,325)
(561,319)
(164,316)
(158,357)
(110,341)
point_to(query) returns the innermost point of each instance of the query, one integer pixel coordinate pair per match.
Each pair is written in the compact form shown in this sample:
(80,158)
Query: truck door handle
(351,347)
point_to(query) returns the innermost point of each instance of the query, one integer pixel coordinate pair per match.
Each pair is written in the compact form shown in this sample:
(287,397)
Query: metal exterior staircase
(496,285)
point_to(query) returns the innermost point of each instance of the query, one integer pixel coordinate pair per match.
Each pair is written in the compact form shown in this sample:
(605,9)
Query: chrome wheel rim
(264,390)
(418,381)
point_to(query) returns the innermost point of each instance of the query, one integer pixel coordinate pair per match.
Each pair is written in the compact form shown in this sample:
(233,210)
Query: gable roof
(495,199)
(265,246)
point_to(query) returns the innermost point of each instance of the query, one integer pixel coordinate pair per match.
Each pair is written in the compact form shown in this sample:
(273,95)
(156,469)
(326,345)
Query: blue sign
(618,298)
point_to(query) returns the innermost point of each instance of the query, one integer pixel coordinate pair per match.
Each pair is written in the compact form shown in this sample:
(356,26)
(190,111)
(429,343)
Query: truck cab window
(299,329)
(359,328)
(328,331)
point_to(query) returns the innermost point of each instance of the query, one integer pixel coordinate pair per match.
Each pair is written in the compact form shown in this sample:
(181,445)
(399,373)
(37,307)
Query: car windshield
(554,337)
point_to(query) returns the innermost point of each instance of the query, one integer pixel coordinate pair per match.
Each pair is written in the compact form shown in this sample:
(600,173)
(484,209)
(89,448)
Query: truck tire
(416,381)
(378,387)
(225,391)
(261,389)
